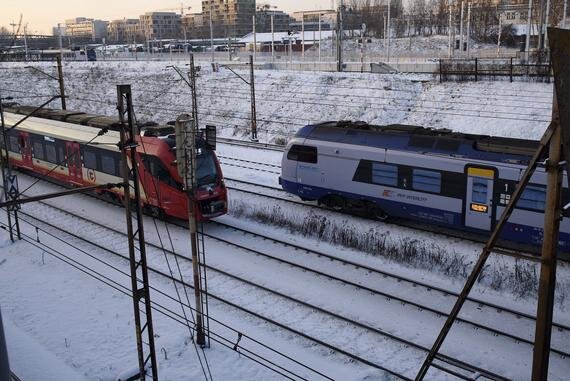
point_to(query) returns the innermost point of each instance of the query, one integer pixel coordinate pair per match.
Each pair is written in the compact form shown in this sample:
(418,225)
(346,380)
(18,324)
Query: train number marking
(91,175)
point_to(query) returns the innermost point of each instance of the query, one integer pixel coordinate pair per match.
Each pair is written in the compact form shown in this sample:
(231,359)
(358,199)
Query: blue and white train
(438,177)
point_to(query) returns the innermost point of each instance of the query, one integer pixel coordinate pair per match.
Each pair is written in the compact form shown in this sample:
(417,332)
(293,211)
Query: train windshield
(206,170)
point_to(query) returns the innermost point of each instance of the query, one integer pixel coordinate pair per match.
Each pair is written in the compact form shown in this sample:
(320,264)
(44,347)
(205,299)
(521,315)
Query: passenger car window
(51,154)
(533,197)
(39,151)
(89,160)
(429,181)
(306,154)
(384,174)
(108,165)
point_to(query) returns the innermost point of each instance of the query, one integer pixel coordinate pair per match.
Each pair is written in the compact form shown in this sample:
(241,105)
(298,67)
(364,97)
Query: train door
(479,198)
(25,148)
(74,160)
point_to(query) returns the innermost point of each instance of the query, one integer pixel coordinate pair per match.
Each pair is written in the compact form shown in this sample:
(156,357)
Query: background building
(311,18)
(159,25)
(85,27)
(281,20)
(120,31)
(232,18)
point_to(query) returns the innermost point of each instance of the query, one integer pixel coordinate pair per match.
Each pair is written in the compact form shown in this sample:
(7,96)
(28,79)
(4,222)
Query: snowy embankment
(285,102)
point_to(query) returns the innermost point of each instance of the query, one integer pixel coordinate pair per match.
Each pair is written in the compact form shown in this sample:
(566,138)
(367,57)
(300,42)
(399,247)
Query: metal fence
(493,69)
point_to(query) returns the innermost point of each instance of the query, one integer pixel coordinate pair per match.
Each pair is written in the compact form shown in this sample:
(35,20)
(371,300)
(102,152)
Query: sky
(42,15)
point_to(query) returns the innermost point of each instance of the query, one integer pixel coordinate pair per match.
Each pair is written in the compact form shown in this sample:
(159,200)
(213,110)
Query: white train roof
(64,130)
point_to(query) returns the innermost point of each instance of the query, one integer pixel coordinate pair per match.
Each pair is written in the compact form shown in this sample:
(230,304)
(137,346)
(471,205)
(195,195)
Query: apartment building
(159,25)
(232,18)
(86,27)
(121,31)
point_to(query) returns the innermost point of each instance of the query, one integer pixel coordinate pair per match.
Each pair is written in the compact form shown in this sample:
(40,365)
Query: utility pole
(541,26)
(254,39)
(547,283)
(461,30)
(138,265)
(499,37)
(547,21)
(564,14)
(339,37)
(449,51)
(253,112)
(320,35)
(26,42)
(60,39)
(9,181)
(211,35)
(469,30)
(272,39)
(528,26)
(60,80)
(389,34)
(303,36)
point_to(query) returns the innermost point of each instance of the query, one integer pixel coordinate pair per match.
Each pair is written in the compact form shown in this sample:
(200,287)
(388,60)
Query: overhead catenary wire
(154,289)
(125,290)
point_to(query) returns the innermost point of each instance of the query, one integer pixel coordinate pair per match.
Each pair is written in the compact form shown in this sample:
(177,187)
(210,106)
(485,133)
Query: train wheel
(334,202)
(156,212)
(379,214)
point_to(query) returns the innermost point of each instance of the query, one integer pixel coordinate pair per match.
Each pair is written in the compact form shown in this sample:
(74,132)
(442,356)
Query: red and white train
(56,143)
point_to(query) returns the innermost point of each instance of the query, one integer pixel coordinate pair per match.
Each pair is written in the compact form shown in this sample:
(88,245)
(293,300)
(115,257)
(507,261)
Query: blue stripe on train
(511,231)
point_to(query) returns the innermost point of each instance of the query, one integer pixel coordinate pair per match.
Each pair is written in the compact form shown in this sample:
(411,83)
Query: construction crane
(181,9)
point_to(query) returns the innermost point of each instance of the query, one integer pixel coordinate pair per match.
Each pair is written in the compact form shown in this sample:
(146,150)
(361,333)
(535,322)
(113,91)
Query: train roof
(64,130)
(424,140)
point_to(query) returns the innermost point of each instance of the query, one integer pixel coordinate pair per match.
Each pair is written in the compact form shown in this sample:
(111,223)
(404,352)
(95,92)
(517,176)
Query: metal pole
(211,36)
(272,39)
(389,33)
(254,40)
(449,33)
(6,170)
(469,30)
(25,43)
(60,80)
(543,330)
(253,112)
(60,39)
(540,25)
(138,265)
(564,14)
(547,20)
(461,30)
(320,35)
(528,26)
(191,141)
(499,37)
(339,36)
(4,364)
(303,37)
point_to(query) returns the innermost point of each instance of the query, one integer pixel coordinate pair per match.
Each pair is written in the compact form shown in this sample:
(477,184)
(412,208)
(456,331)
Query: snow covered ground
(65,321)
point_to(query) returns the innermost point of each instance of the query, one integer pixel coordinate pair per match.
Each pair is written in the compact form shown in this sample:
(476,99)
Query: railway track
(353,284)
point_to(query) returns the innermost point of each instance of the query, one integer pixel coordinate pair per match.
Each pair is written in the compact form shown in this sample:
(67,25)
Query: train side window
(51,154)
(385,174)
(108,165)
(39,151)
(89,160)
(61,156)
(14,144)
(533,197)
(428,181)
(305,154)
(479,191)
